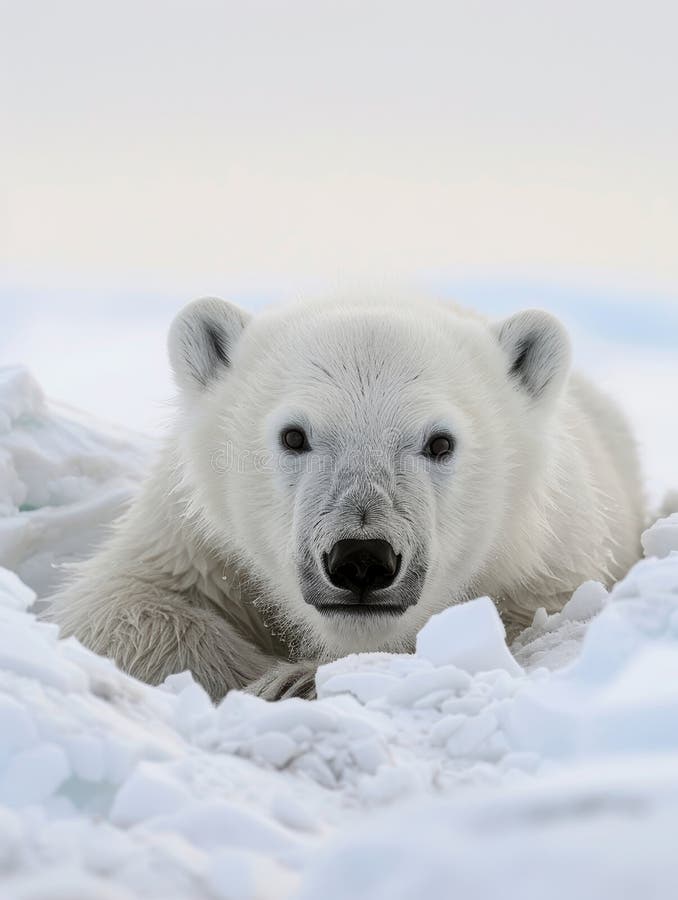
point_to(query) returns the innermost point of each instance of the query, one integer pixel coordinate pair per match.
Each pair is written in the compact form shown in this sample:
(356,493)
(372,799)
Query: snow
(662,538)
(62,481)
(465,769)
(472,637)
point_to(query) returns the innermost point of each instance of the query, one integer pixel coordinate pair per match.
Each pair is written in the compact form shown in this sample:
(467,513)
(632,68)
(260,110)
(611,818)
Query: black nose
(361,566)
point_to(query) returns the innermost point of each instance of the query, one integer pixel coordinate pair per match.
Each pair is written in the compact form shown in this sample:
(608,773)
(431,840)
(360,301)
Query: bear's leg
(152,633)
(286,679)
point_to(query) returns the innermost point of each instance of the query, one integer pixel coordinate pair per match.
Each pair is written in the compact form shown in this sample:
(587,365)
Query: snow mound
(662,538)
(554,640)
(464,769)
(398,781)
(62,480)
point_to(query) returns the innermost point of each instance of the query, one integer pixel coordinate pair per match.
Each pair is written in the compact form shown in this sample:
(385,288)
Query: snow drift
(465,770)
(62,480)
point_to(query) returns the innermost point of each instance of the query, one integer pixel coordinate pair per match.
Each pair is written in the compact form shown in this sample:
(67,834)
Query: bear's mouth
(362,609)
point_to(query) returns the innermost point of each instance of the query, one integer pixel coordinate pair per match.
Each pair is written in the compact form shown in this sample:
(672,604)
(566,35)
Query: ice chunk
(288,810)
(194,710)
(17,729)
(662,538)
(412,688)
(472,733)
(216,824)
(586,602)
(274,748)
(470,636)
(14,594)
(149,791)
(365,686)
(31,653)
(368,754)
(86,756)
(33,775)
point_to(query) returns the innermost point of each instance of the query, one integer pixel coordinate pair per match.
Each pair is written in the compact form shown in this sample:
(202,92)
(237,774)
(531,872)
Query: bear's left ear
(538,350)
(201,341)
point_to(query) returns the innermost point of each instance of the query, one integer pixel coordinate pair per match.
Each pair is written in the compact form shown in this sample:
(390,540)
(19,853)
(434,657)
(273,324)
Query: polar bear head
(364,464)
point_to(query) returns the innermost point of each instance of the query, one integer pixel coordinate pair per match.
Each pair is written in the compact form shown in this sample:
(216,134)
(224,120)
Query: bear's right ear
(201,341)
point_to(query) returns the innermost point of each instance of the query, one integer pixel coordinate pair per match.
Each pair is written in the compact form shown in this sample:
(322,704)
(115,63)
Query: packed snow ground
(462,771)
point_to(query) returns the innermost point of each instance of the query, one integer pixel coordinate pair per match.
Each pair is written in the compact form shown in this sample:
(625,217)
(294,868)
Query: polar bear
(337,473)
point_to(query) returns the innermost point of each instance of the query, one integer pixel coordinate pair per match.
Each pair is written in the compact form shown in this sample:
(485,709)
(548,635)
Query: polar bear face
(361,462)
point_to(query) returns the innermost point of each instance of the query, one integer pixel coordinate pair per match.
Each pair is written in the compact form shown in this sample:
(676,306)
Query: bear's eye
(440,446)
(295,439)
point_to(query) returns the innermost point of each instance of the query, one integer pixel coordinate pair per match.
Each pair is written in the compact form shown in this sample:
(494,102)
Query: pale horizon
(183,144)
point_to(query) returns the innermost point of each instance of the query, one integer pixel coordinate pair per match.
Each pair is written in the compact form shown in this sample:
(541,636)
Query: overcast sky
(267,143)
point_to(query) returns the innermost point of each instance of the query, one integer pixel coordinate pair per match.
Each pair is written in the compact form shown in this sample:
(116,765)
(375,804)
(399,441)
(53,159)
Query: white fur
(543,491)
